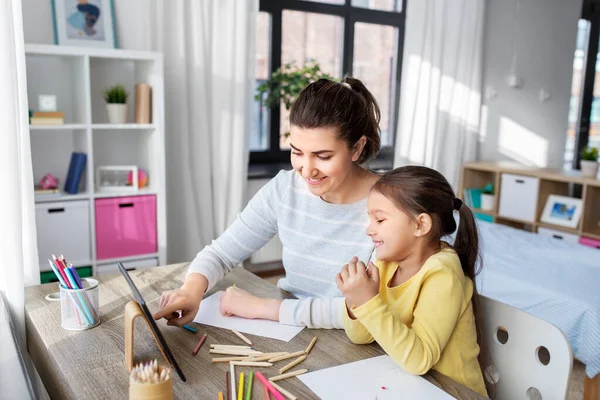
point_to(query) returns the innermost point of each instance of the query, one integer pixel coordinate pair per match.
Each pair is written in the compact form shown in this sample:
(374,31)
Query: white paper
(374,378)
(209,314)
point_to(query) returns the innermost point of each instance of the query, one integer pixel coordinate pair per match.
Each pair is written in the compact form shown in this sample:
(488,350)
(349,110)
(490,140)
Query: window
(362,38)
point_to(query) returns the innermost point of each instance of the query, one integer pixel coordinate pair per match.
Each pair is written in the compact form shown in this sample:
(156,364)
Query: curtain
(208,49)
(440,100)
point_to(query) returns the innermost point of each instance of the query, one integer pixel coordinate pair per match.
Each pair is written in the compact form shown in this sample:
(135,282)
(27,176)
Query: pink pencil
(265,382)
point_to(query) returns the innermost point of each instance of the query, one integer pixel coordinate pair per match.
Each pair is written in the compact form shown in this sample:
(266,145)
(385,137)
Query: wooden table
(91,364)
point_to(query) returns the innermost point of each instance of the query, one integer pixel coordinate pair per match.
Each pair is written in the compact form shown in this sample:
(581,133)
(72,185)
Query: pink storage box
(590,242)
(125,226)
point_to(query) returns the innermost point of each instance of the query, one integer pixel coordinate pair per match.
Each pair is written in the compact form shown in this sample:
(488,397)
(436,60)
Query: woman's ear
(424,225)
(358,148)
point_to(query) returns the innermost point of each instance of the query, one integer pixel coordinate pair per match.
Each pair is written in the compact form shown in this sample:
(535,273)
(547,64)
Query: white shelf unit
(78,77)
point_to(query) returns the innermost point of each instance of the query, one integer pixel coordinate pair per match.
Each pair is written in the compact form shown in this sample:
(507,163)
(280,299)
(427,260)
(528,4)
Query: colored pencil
(311,345)
(232,373)
(241,387)
(244,338)
(249,386)
(199,344)
(292,364)
(266,392)
(190,328)
(228,384)
(227,359)
(229,346)
(268,385)
(63,283)
(288,375)
(284,392)
(251,364)
(285,357)
(220,396)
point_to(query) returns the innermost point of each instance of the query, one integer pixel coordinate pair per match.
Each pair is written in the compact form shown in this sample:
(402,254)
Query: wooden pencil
(236,352)
(251,363)
(285,357)
(288,375)
(227,359)
(220,397)
(229,346)
(244,338)
(228,385)
(292,364)
(266,392)
(266,356)
(232,373)
(284,392)
(240,394)
(199,344)
(310,346)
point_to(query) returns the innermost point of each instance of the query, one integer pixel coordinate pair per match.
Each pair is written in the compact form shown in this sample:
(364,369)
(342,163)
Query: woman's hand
(236,301)
(357,284)
(180,306)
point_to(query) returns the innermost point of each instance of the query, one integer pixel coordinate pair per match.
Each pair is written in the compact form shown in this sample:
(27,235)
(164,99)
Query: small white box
(560,235)
(129,266)
(518,197)
(63,228)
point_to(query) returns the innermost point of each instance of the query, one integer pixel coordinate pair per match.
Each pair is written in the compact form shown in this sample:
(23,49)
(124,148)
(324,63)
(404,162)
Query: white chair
(526,357)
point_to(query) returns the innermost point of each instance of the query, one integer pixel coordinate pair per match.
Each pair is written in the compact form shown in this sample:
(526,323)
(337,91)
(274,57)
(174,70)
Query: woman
(319,210)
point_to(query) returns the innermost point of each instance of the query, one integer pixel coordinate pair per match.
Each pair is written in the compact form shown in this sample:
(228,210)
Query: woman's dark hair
(347,106)
(416,190)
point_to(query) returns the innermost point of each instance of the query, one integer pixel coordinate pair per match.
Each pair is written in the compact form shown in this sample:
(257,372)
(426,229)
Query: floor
(577,377)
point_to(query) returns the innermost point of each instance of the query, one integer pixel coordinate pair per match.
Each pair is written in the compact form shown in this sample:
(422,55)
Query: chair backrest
(530,358)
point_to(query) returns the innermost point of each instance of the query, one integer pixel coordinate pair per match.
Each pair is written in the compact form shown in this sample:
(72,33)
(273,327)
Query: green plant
(287,82)
(116,94)
(590,154)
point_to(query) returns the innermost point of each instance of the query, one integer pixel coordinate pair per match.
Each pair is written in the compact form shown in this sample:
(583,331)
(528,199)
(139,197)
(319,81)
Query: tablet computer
(161,340)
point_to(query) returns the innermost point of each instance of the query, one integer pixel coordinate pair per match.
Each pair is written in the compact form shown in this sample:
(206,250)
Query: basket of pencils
(150,381)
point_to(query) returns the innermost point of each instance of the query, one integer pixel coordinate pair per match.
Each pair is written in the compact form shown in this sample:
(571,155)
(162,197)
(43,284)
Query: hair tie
(457,203)
(347,85)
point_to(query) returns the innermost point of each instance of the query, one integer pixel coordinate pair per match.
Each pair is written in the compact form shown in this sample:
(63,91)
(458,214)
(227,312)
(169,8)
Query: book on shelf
(46,121)
(472,197)
(75,173)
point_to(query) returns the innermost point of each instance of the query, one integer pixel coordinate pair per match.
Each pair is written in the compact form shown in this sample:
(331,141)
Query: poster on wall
(84,23)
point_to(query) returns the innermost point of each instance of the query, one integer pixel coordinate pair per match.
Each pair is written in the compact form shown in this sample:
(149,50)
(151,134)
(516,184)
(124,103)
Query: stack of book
(472,197)
(47,118)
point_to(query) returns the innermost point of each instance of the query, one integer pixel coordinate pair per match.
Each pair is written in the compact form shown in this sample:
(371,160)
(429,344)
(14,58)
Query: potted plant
(487,197)
(589,162)
(116,99)
(286,83)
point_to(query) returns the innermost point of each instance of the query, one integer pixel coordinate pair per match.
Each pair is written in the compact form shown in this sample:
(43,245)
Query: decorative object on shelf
(143,104)
(286,83)
(47,102)
(589,162)
(75,173)
(116,99)
(487,197)
(84,23)
(142,178)
(116,178)
(562,211)
(49,181)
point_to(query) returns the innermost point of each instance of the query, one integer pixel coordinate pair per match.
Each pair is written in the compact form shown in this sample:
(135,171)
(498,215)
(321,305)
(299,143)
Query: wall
(515,124)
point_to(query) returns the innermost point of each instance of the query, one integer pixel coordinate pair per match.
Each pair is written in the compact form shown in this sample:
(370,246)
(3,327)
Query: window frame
(350,15)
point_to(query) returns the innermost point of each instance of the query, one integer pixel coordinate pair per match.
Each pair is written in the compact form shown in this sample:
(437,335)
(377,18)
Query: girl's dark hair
(417,190)
(352,110)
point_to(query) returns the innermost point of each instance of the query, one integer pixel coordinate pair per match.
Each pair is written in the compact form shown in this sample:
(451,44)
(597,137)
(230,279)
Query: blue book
(75,173)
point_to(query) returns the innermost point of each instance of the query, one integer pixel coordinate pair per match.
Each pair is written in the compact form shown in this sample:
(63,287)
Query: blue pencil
(190,328)
(88,313)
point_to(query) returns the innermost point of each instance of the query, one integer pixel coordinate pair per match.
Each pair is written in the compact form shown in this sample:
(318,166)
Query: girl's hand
(180,306)
(357,284)
(236,301)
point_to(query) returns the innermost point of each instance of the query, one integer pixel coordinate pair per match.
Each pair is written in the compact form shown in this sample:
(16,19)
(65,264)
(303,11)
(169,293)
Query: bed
(554,280)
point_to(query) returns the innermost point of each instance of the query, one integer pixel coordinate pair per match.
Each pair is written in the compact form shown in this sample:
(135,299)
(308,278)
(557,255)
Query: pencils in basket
(149,373)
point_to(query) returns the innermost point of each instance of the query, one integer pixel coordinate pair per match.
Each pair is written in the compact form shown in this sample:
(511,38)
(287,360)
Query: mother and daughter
(417,299)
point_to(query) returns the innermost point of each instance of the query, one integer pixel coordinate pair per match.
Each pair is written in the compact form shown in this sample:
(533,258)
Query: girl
(317,209)
(418,302)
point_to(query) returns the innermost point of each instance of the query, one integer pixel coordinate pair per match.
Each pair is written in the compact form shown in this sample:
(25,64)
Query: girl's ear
(424,225)
(358,148)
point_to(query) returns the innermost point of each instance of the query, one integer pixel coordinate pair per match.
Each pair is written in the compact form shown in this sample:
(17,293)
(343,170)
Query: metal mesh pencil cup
(79,307)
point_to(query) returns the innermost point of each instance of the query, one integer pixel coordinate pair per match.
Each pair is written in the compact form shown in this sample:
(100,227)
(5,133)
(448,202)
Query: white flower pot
(117,113)
(589,169)
(487,202)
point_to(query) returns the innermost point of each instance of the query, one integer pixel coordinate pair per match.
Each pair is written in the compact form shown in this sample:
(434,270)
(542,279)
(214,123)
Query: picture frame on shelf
(118,179)
(562,211)
(89,23)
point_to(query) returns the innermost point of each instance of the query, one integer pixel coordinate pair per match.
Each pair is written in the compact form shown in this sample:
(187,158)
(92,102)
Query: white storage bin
(518,197)
(63,228)
(560,235)
(129,266)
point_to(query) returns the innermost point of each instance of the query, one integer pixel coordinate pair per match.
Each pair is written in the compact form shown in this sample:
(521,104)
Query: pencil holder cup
(79,307)
(151,391)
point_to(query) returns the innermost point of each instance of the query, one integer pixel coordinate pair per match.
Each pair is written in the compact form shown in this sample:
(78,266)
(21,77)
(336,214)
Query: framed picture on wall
(84,23)
(562,210)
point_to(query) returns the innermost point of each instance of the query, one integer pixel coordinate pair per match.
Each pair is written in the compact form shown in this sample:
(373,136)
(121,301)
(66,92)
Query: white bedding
(554,280)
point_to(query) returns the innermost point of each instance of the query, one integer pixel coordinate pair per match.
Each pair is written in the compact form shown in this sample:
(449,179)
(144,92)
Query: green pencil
(249,387)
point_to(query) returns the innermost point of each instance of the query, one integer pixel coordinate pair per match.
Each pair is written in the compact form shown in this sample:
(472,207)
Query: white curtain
(18,244)
(440,98)
(208,49)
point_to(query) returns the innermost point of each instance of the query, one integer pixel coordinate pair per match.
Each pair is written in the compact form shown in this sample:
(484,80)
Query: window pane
(259,138)
(305,37)
(385,5)
(578,66)
(375,50)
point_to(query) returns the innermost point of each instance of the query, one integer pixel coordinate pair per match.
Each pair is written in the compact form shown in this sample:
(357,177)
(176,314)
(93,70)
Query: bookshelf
(77,76)
(535,186)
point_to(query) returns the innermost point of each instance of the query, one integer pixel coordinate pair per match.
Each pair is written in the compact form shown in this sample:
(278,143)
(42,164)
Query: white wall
(516,125)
